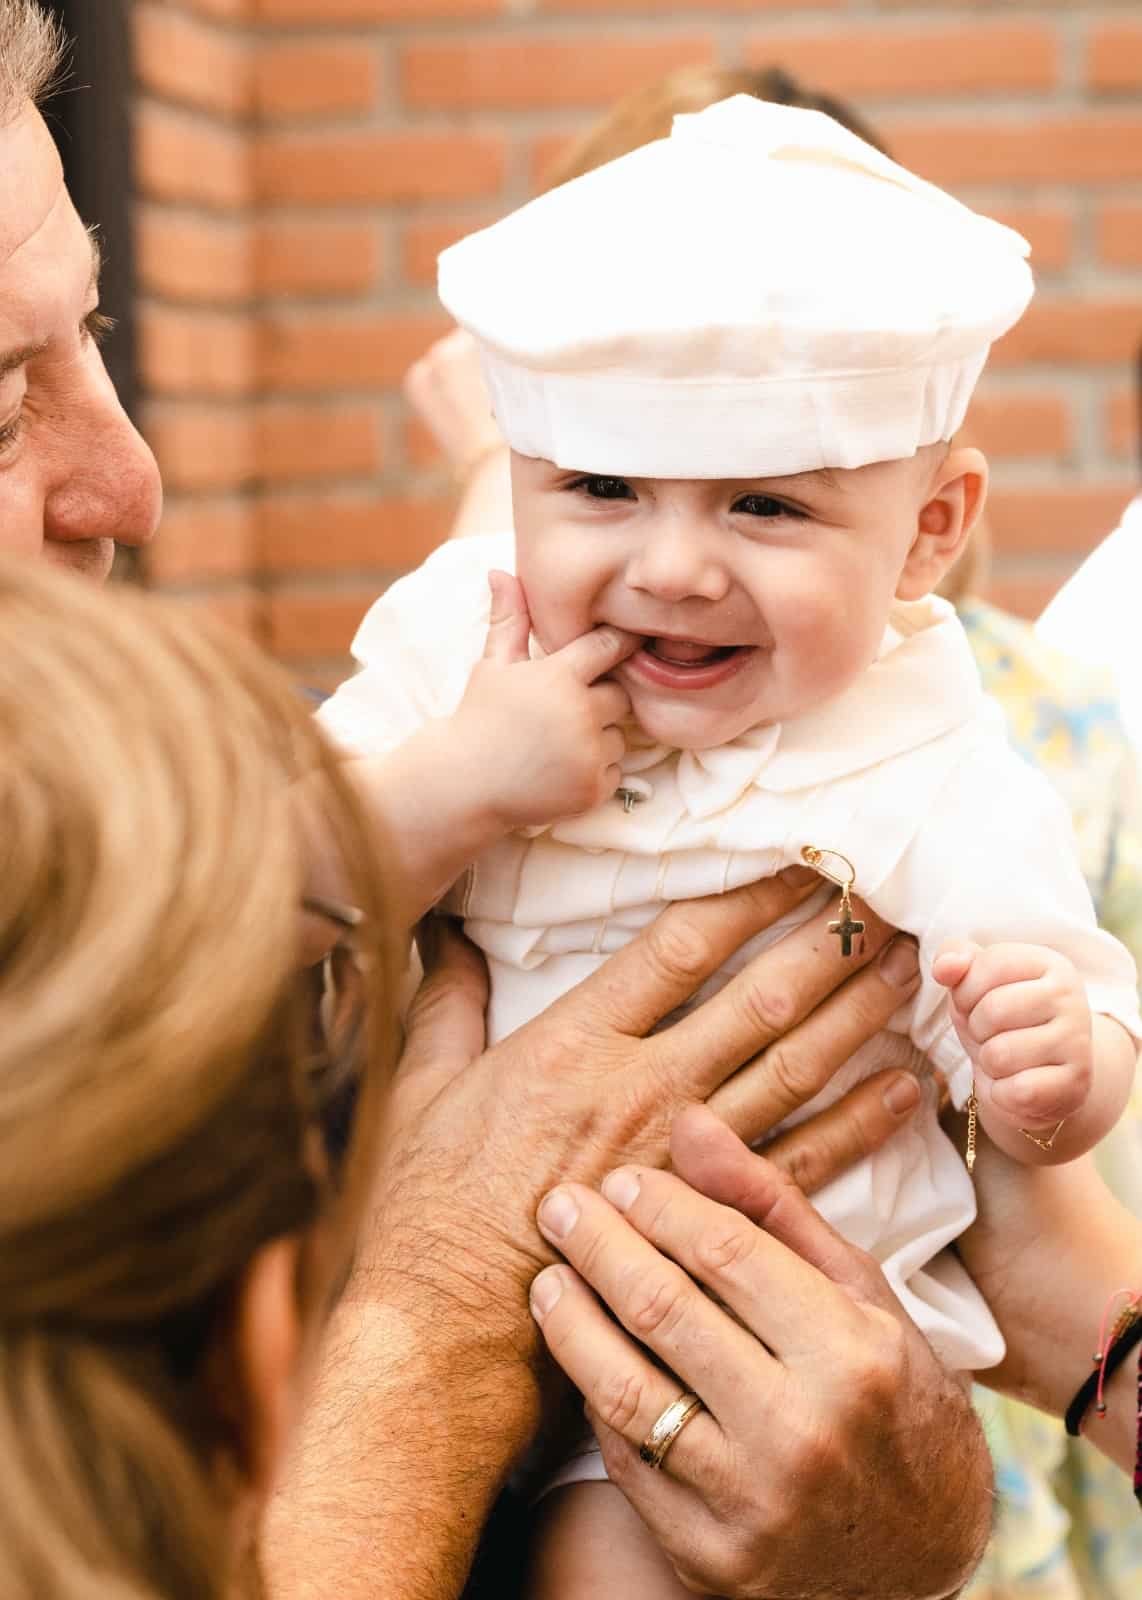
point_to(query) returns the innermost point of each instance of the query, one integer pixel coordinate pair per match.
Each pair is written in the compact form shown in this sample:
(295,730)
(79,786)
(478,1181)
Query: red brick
(202,447)
(244,610)
(317,258)
(299,443)
(1049,230)
(423,242)
(223,10)
(1086,332)
(306,624)
(1120,235)
(306,80)
(1022,423)
(1114,59)
(1027,596)
(1044,149)
(1122,421)
(202,259)
(1063,519)
(613,7)
(542,72)
(316,353)
(376,168)
(201,353)
(546,151)
(202,539)
(184,159)
(898,60)
(191,62)
(333,533)
(364,11)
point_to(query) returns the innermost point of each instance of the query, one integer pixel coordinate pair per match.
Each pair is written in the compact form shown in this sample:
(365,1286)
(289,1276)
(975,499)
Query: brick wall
(302,161)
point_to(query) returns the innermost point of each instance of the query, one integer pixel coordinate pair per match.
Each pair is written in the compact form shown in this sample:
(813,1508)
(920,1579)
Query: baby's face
(756,599)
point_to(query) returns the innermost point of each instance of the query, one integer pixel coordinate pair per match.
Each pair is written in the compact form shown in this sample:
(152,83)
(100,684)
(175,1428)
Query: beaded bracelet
(1111,1353)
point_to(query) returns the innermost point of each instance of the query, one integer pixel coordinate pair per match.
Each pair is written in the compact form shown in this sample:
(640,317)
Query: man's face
(757,600)
(75,477)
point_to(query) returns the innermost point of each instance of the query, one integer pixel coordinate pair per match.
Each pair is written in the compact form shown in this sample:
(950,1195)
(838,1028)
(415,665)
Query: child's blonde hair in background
(157,1123)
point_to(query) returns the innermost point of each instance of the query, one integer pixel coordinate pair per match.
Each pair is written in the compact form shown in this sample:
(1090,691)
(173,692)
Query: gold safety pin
(846,925)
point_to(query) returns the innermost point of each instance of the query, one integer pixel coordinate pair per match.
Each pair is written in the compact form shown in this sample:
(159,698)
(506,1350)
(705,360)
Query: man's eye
(605,488)
(763,505)
(10,432)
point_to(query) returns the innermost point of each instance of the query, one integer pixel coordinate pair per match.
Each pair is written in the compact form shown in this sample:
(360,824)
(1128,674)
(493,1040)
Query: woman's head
(165,1200)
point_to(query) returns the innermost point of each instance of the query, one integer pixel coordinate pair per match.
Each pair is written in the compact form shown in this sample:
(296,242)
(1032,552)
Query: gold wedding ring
(656,1446)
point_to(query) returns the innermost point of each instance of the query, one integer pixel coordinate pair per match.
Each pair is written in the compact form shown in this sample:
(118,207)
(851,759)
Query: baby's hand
(1022,1015)
(541,739)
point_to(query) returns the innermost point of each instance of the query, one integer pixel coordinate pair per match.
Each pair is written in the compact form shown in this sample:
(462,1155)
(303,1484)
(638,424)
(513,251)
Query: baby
(729,366)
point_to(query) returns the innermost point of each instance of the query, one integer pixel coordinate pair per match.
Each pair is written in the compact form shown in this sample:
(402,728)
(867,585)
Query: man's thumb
(509,625)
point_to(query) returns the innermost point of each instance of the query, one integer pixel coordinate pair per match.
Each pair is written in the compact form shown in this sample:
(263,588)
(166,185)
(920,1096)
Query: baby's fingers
(1039,1097)
(609,702)
(1011,1007)
(1006,1054)
(596,652)
(953,962)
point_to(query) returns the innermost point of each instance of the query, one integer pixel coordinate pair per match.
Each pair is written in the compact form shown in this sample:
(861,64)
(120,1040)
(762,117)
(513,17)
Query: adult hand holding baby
(726,1255)
(544,735)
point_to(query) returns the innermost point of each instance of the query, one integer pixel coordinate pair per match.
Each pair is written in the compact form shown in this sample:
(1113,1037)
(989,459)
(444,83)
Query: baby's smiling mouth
(688,652)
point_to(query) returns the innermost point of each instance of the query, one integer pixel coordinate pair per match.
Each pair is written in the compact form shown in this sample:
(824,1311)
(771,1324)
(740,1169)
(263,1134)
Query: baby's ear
(953,501)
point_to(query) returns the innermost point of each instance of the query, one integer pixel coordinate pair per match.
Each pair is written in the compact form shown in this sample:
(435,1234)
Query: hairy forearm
(408,1440)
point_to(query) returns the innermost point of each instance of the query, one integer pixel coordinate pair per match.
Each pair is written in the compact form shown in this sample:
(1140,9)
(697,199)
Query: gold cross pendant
(847,926)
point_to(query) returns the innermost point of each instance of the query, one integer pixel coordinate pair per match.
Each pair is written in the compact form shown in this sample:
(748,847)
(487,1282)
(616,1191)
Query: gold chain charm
(846,925)
(1044,1144)
(972,1109)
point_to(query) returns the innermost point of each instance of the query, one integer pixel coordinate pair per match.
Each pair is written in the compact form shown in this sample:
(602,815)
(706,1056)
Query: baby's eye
(764,505)
(605,488)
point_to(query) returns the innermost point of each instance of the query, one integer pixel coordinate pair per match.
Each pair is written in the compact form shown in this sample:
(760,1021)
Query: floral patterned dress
(1067,1525)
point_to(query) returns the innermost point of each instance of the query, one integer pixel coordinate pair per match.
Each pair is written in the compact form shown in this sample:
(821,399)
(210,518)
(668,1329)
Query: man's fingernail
(558,1214)
(621,1189)
(797,877)
(545,1292)
(900,961)
(902,1094)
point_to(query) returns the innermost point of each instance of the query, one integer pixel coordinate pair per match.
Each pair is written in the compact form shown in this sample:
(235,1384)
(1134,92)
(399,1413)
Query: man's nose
(676,564)
(104,478)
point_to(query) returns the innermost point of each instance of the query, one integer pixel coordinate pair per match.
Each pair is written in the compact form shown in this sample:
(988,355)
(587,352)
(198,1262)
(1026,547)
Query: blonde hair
(157,1121)
(31,54)
(647,114)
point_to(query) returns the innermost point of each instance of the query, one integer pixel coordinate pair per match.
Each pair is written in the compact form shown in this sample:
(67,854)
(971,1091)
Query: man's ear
(952,505)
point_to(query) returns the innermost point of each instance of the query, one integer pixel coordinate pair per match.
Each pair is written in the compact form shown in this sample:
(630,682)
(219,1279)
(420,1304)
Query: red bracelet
(1115,1342)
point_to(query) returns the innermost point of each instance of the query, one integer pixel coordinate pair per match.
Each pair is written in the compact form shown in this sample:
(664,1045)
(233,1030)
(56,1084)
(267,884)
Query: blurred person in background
(1067,1525)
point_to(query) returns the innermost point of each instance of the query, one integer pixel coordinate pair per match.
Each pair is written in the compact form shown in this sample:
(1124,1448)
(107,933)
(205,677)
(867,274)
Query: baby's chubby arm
(1040,1056)
(530,742)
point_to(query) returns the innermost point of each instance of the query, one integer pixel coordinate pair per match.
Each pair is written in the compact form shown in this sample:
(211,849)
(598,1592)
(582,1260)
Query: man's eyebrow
(13,360)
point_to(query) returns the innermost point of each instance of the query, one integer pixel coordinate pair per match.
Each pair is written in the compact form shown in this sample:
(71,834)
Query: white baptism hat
(762,293)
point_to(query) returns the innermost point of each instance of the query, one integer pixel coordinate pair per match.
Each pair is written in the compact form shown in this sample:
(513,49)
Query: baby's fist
(1021,1013)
